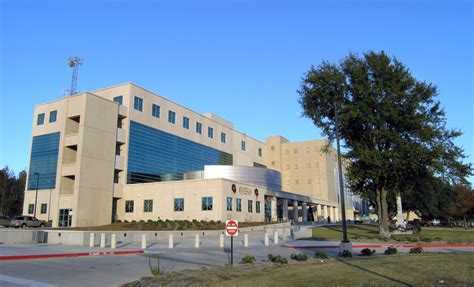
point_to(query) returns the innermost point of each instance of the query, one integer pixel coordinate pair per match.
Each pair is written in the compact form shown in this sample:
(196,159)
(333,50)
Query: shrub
(426,239)
(277,259)
(299,257)
(155,270)
(367,252)
(142,221)
(125,221)
(321,254)
(437,238)
(150,221)
(413,239)
(134,221)
(416,250)
(248,260)
(345,253)
(118,221)
(391,251)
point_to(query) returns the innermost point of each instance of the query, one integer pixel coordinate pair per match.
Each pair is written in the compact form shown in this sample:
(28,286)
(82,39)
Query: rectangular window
(148,205)
(257,206)
(119,100)
(40,119)
(44,208)
(186,123)
(31,208)
(242,145)
(250,206)
(239,205)
(206,203)
(223,137)
(155,111)
(52,116)
(43,163)
(229,203)
(138,104)
(260,152)
(179,204)
(210,132)
(129,206)
(171,117)
(199,128)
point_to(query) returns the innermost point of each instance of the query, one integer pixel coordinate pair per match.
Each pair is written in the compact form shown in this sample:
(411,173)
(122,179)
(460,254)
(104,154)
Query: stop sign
(231,228)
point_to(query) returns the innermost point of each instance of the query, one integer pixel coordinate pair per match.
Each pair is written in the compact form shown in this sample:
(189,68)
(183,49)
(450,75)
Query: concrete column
(336,214)
(113,241)
(319,211)
(170,241)
(274,209)
(143,241)
(400,220)
(102,240)
(265,241)
(325,212)
(246,240)
(196,241)
(331,213)
(295,211)
(285,209)
(221,241)
(92,239)
(304,212)
(275,238)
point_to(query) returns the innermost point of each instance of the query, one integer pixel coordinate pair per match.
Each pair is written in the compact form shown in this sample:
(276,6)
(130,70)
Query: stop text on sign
(231,228)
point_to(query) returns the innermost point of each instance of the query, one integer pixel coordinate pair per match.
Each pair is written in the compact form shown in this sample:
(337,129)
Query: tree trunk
(465,222)
(382,212)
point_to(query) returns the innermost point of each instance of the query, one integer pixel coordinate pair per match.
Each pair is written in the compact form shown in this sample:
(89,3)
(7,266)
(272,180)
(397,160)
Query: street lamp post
(36,195)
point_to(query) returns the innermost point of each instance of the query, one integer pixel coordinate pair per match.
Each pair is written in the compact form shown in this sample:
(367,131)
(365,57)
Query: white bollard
(113,241)
(221,241)
(143,241)
(102,240)
(92,239)
(196,241)
(246,240)
(170,241)
(266,239)
(275,239)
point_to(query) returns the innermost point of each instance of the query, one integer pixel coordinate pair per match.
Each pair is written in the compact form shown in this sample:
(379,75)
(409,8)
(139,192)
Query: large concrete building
(125,153)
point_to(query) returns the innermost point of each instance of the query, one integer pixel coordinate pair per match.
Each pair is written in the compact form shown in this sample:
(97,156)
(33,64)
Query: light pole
(341,181)
(36,195)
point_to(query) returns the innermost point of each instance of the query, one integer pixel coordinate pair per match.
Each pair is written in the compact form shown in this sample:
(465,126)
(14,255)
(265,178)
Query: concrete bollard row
(275,238)
(102,240)
(221,241)
(113,241)
(143,241)
(170,241)
(266,239)
(92,239)
(246,240)
(196,241)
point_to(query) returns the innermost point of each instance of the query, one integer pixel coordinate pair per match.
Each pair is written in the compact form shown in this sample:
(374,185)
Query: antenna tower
(74,63)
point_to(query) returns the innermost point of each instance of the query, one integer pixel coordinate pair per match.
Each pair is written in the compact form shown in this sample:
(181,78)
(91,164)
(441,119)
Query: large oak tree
(392,127)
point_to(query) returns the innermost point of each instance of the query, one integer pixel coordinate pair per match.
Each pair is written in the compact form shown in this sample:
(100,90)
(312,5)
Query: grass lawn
(427,269)
(369,233)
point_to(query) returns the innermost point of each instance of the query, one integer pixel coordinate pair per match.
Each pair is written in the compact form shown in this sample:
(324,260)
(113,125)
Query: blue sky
(242,60)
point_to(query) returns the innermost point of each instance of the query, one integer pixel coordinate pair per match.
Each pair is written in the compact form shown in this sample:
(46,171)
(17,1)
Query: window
(242,145)
(138,104)
(179,204)
(272,147)
(239,205)
(223,137)
(206,203)
(171,117)
(40,119)
(186,123)
(31,208)
(119,100)
(229,203)
(198,128)
(129,206)
(44,159)
(52,116)
(257,206)
(148,205)
(44,208)
(250,205)
(260,152)
(155,111)
(210,132)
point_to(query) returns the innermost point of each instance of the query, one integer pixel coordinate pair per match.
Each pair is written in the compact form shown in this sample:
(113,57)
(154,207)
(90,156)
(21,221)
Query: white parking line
(23,282)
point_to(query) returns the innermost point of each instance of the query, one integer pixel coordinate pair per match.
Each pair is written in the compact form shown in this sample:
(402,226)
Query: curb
(62,255)
(454,245)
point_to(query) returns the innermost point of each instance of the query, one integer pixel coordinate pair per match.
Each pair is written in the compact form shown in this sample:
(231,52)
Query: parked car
(24,221)
(5,221)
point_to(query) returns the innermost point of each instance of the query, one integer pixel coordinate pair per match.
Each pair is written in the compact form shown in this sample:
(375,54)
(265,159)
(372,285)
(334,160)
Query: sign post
(231,229)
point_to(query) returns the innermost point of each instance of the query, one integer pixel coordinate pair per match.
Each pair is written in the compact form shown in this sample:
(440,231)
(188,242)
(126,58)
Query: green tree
(391,124)
(11,191)
(463,207)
